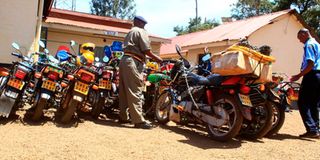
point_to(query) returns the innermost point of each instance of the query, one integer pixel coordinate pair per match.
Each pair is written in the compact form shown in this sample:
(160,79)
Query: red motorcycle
(191,98)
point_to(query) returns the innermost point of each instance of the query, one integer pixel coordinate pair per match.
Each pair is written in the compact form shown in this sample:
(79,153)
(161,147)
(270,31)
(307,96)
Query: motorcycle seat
(211,80)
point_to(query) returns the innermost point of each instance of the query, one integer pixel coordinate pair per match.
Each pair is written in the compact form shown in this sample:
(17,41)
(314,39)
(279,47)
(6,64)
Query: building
(21,22)
(58,27)
(61,26)
(277,30)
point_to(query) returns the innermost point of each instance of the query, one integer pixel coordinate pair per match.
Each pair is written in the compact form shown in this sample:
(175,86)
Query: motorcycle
(50,83)
(106,87)
(14,82)
(193,98)
(108,80)
(155,81)
(280,96)
(82,92)
(250,97)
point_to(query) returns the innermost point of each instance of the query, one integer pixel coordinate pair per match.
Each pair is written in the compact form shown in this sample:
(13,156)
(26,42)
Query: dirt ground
(106,139)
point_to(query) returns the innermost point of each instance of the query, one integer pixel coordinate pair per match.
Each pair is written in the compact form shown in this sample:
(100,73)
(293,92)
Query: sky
(164,15)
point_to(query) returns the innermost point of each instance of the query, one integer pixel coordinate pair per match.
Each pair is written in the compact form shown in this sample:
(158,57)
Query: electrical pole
(196,13)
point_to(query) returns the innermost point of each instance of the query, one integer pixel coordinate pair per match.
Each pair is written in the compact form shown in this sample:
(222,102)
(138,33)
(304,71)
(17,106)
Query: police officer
(136,47)
(309,94)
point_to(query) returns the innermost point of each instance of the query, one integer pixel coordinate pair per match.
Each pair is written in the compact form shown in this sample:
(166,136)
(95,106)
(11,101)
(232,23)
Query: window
(99,52)
(44,35)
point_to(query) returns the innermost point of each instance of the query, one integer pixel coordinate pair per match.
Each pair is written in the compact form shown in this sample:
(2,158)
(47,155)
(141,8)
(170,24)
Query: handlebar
(290,84)
(16,54)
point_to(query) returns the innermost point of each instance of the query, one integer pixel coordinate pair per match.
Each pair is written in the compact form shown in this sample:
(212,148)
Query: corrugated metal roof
(68,22)
(84,20)
(228,31)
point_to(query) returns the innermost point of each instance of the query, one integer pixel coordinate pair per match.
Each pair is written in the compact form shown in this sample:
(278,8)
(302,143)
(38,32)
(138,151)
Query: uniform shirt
(311,52)
(137,41)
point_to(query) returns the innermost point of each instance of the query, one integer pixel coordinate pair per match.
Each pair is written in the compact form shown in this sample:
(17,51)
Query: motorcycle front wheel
(233,125)
(162,107)
(3,82)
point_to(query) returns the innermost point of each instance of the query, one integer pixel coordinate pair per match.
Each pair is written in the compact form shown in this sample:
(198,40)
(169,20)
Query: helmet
(87,57)
(87,47)
(116,46)
(63,53)
(65,48)
(107,51)
(152,65)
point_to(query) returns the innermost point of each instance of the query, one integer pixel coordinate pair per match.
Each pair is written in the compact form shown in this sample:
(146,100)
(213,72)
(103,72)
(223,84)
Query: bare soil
(105,139)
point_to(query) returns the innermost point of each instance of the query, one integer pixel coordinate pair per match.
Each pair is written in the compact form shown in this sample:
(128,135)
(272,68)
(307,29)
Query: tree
(195,25)
(249,8)
(308,9)
(123,9)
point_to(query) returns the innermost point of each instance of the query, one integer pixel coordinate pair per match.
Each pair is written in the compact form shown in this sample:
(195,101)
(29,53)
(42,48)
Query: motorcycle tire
(39,105)
(277,119)
(98,107)
(162,107)
(258,128)
(67,95)
(235,120)
(3,82)
(69,111)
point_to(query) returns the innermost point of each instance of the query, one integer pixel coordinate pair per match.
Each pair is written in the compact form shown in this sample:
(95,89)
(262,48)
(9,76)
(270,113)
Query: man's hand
(303,72)
(295,78)
(153,56)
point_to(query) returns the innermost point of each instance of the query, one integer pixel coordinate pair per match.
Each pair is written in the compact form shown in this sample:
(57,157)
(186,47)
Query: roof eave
(86,30)
(305,25)
(225,42)
(95,31)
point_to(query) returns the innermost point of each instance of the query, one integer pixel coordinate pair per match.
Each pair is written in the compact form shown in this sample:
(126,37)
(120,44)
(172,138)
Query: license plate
(81,88)
(49,85)
(245,100)
(105,84)
(16,83)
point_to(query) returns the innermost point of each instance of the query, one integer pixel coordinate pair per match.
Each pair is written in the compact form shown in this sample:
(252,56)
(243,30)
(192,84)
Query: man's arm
(153,56)
(303,72)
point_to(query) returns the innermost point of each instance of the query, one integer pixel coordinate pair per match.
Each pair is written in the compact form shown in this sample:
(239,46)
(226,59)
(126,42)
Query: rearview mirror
(41,44)
(15,46)
(46,51)
(178,49)
(72,43)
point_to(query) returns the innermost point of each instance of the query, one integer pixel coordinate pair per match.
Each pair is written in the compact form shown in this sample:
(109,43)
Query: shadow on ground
(284,136)
(197,137)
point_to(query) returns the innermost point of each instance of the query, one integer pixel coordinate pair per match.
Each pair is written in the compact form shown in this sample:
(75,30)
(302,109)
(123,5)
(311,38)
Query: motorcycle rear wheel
(98,107)
(39,104)
(162,107)
(261,123)
(69,111)
(233,126)
(277,118)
